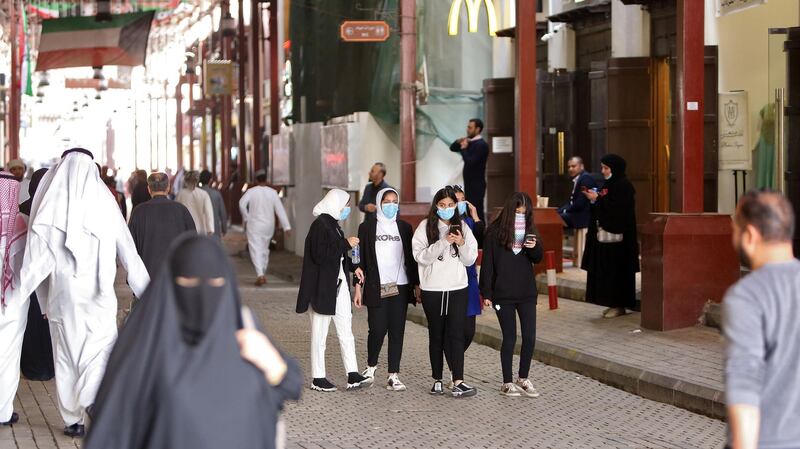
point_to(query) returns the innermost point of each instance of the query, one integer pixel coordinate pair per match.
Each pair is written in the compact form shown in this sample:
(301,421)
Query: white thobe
(259,205)
(13,319)
(199,204)
(83,316)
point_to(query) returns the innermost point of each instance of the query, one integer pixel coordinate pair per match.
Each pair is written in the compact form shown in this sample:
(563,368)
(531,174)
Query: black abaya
(175,378)
(36,362)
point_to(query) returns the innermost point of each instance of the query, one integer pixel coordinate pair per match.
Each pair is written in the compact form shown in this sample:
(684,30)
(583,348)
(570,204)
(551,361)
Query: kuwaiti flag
(85,42)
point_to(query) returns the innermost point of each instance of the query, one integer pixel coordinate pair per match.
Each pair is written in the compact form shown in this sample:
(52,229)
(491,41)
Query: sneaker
(463,390)
(75,431)
(393,383)
(11,421)
(450,385)
(369,373)
(526,387)
(437,388)
(614,312)
(509,390)
(322,384)
(356,380)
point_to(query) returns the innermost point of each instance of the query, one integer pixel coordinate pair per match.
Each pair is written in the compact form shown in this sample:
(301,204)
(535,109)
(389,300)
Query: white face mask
(608,177)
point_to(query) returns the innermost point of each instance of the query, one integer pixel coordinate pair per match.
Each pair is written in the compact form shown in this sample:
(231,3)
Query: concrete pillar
(561,41)
(630,30)
(503,49)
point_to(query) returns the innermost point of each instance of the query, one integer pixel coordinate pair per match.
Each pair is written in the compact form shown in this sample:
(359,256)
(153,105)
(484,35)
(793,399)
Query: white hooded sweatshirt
(440,270)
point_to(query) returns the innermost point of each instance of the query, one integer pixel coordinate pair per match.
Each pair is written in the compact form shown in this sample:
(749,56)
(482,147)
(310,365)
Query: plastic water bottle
(355,255)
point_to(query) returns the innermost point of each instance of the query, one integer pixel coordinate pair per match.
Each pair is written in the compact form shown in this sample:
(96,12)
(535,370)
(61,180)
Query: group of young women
(435,265)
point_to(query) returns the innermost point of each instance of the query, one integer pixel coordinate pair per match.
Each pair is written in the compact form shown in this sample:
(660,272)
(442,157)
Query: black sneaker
(75,431)
(356,380)
(13,420)
(463,390)
(322,384)
(437,388)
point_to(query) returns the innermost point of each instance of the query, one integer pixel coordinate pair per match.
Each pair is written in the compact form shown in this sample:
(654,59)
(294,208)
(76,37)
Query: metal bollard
(552,284)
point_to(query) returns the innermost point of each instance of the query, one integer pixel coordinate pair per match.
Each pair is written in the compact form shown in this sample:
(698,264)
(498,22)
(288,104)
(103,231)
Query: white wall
(306,192)
(630,30)
(743,64)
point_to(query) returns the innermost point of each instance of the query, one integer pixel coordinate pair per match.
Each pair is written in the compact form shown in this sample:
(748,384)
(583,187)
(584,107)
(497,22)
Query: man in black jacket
(475,152)
(377,182)
(577,212)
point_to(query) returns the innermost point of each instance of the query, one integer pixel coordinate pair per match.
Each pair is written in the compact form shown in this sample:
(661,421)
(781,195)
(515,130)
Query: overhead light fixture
(103,11)
(228,25)
(190,64)
(98,73)
(103,85)
(98,97)
(44,80)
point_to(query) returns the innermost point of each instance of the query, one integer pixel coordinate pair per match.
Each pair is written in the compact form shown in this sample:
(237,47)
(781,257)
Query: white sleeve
(468,253)
(244,202)
(208,211)
(426,254)
(282,217)
(130,260)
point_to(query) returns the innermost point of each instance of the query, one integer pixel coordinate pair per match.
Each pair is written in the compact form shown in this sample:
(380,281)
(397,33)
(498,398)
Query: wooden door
(499,109)
(662,129)
(559,136)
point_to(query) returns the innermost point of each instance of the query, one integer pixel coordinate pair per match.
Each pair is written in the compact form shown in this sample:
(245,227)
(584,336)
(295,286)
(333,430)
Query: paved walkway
(573,412)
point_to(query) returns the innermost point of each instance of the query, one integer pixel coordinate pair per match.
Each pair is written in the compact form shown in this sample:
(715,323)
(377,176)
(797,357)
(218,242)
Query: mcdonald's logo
(473,8)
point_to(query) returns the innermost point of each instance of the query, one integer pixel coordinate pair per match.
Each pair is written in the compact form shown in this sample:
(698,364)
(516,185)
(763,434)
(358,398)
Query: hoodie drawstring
(445,308)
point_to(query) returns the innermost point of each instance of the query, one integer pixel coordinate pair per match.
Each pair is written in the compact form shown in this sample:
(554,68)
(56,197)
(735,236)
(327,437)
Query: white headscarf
(74,200)
(379,210)
(332,204)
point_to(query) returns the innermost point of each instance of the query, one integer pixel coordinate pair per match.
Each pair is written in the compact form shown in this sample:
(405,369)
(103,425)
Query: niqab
(164,390)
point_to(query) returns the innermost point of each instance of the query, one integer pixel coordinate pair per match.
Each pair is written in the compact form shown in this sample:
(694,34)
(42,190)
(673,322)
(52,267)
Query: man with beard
(760,314)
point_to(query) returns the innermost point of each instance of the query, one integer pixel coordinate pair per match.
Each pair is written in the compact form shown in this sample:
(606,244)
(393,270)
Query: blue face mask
(462,207)
(390,210)
(447,213)
(345,213)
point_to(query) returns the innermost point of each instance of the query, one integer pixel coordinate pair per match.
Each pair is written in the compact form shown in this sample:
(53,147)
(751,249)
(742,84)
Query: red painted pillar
(274,82)
(408,77)
(691,66)
(256,81)
(179,125)
(525,142)
(226,110)
(242,120)
(14,89)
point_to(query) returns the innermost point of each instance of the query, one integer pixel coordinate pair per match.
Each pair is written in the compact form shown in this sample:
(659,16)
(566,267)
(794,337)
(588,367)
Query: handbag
(390,289)
(604,236)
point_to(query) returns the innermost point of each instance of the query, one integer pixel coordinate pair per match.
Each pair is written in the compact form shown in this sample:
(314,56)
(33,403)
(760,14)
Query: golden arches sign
(473,8)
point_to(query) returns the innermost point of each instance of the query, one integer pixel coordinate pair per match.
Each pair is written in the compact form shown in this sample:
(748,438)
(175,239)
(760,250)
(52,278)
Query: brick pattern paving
(573,411)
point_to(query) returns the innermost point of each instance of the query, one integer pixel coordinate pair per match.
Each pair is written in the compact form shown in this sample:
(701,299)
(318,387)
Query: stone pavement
(573,412)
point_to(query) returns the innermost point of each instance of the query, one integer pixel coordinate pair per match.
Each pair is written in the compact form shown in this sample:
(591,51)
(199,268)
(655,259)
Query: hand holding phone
(530,240)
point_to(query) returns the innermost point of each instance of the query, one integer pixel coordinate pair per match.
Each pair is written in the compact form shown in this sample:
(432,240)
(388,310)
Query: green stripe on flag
(89,23)
(28,75)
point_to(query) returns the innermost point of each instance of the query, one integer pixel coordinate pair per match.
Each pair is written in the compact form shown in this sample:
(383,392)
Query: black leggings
(446,313)
(389,316)
(507,316)
(469,335)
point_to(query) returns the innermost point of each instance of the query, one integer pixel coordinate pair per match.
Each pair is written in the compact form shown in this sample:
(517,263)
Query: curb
(641,382)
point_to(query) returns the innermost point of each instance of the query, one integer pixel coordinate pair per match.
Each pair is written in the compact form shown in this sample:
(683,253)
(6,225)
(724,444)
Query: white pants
(344,331)
(259,236)
(12,330)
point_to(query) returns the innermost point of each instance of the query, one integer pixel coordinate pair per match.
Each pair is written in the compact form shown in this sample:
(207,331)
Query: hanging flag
(25,56)
(85,42)
(48,10)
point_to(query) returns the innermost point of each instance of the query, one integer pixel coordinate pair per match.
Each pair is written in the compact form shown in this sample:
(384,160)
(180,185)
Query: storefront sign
(473,11)
(364,31)
(734,138)
(334,156)
(218,78)
(729,6)
(502,144)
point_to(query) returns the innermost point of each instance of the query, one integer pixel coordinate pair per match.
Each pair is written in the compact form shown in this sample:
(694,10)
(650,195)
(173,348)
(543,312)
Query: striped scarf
(519,233)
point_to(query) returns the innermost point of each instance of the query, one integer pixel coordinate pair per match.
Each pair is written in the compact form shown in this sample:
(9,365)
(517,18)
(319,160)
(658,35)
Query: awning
(541,27)
(585,10)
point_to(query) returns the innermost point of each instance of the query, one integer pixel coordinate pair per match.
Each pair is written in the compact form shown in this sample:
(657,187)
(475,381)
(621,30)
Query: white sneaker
(369,373)
(451,384)
(393,383)
(509,390)
(526,388)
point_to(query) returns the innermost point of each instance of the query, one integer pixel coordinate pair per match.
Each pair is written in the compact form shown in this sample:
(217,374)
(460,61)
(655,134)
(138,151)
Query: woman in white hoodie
(443,248)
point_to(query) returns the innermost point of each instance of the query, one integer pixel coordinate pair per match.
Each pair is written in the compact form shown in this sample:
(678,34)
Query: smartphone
(584,189)
(530,238)
(455,229)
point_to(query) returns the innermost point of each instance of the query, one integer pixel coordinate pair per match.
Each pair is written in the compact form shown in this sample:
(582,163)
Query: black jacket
(577,212)
(507,277)
(319,281)
(367,232)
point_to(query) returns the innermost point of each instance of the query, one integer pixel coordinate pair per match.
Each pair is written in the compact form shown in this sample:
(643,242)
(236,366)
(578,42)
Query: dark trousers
(389,317)
(469,335)
(507,316)
(446,313)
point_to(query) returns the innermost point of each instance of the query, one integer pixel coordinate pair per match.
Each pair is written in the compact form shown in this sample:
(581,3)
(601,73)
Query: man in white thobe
(76,236)
(259,205)
(198,202)
(13,306)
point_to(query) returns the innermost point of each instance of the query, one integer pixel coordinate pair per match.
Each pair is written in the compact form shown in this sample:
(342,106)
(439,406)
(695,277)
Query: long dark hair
(502,228)
(432,227)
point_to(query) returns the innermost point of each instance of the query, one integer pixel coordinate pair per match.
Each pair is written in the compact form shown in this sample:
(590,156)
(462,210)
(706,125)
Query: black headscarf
(37,176)
(175,378)
(617,165)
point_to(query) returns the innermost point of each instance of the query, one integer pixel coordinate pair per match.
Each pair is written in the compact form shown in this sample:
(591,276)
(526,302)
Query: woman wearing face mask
(508,282)
(325,289)
(390,279)
(443,248)
(190,369)
(611,258)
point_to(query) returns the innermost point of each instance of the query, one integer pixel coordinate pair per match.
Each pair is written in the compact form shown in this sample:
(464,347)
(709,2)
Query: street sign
(364,31)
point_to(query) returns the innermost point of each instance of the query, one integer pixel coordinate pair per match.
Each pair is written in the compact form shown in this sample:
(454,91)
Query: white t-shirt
(389,253)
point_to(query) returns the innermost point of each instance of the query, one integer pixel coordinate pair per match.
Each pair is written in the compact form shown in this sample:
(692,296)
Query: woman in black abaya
(176,379)
(611,258)
(37,348)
